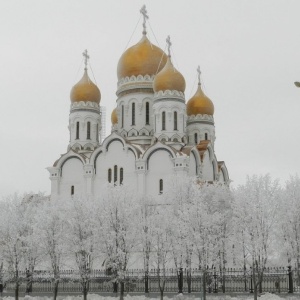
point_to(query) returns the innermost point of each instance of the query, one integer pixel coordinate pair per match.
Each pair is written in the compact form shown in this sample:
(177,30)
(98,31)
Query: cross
(168,40)
(199,73)
(86,57)
(143,11)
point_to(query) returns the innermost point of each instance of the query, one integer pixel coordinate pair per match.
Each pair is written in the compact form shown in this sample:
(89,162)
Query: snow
(266,296)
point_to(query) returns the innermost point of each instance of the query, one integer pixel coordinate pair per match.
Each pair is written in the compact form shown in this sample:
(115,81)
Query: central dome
(143,59)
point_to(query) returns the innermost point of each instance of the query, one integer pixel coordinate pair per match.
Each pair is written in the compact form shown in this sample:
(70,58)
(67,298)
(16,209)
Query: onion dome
(114,117)
(143,59)
(169,79)
(199,104)
(85,90)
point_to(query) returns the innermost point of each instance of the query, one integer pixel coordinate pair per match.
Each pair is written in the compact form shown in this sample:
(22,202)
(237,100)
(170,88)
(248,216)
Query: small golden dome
(169,79)
(199,104)
(114,117)
(85,90)
(143,58)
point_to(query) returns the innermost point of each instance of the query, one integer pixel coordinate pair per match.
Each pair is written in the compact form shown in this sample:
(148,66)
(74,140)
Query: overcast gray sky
(249,53)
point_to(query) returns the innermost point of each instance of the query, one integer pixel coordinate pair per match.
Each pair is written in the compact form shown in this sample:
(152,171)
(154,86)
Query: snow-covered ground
(266,296)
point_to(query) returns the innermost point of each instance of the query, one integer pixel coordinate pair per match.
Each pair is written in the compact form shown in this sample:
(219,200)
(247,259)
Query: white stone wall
(83,116)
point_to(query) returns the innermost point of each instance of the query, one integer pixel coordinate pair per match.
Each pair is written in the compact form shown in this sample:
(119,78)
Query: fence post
(147,282)
(215,281)
(251,282)
(180,285)
(290,274)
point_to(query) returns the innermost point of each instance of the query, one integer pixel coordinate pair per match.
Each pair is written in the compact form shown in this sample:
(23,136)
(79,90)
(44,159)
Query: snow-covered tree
(256,211)
(290,221)
(11,235)
(120,209)
(81,237)
(52,232)
(162,244)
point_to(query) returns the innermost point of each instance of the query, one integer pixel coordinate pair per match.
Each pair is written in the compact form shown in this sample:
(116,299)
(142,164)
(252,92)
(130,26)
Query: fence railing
(275,280)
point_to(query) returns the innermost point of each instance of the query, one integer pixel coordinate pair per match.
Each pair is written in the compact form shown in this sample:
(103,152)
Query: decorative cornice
(169,94)
(82,105)
(207,119)
(135,82)
(135,79)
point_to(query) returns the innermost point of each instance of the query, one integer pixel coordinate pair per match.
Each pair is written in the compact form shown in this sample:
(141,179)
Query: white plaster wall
(192,165)
(83,117)
(115,155)
(140,100)
(160,167)
(201,129)
(72,174)
(169,107)
(208,173)
(221,176)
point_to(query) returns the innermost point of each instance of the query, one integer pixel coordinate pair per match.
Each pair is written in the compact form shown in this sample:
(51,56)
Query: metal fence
(275,280)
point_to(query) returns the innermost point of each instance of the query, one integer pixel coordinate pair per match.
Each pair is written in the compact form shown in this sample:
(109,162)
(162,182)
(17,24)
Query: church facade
(155,133)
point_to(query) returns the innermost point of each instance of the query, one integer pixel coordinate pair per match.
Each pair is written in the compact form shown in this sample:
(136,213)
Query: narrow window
(133,114)
(122,116)
(121,175)
(163,117)
(109,175)
(196,138)
(161,186)
(147,113)
(77,130)
(88,131)
(115,173)
(206,136)
(72,190)
(175,120)
(97,133)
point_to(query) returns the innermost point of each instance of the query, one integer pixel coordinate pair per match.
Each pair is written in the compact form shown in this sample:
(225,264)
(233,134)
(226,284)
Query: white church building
(156,132)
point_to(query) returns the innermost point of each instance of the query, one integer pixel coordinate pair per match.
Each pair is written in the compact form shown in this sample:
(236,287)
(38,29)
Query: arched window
(121,175)
(88,130)
(206,136)
(133,114)
(122,116)
(161,186)
(196,138)
(147,113)
(77,130)
(175,120)
(163,120)
(72,190)
(115,174)
(109,175)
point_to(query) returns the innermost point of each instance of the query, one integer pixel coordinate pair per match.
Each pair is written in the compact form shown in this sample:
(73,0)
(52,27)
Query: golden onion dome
(114,117)
(85,90)
(199,104)
(143,59)
(169,79)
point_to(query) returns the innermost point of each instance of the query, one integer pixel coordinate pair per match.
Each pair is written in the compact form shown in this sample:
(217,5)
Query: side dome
(143,59)
(114,117)
(169,79)
(85,90)
(200,104)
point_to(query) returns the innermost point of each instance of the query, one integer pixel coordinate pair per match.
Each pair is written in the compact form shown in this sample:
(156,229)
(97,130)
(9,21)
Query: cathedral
(155,132)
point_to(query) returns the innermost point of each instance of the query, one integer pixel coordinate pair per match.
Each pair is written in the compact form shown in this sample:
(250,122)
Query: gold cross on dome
(143,11)
(86,57)
(199,74)
(168,40)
